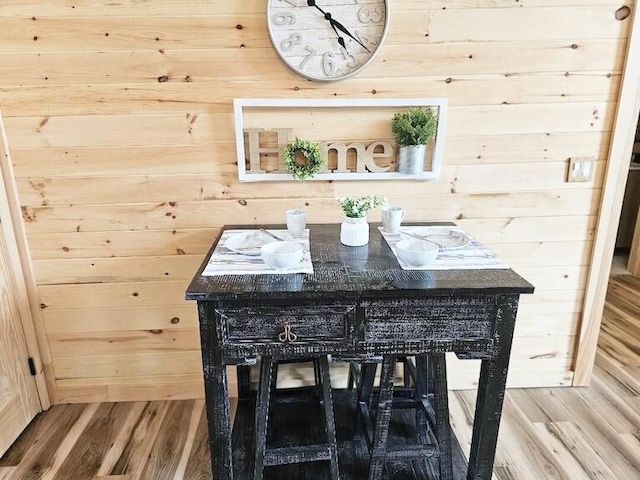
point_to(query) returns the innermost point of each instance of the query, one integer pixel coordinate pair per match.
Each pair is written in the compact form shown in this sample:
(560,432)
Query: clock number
(288,43)
(281,19)
(370,15)
(328,65)
(311,53)
(352,61)
(364,39)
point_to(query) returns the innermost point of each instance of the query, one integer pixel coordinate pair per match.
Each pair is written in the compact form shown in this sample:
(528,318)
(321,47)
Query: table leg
(219,418)
(216,392)
(491,390)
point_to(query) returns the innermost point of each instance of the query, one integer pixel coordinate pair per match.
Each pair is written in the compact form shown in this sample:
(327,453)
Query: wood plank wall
(119,119)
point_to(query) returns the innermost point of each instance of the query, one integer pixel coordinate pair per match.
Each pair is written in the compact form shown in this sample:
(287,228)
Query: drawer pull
(287,335)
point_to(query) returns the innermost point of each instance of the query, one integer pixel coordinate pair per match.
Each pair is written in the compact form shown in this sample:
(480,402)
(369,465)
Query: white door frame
(20,262)
(624,130)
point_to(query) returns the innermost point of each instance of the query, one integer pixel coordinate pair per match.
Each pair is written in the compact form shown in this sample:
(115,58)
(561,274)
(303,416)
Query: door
(19,401)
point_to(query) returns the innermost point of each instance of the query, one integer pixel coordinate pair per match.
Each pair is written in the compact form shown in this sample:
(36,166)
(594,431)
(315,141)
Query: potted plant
(354,230)
(303,159)
(412,131)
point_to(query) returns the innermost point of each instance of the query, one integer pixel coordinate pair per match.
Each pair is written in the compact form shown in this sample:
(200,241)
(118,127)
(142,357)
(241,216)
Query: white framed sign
(354,135)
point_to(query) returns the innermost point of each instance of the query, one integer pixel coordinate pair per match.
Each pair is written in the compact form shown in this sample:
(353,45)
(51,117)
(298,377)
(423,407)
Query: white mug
(296,222)
(392,217)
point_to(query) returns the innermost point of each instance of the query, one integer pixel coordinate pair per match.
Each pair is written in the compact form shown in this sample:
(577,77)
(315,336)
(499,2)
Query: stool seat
(425,390)
(323,451)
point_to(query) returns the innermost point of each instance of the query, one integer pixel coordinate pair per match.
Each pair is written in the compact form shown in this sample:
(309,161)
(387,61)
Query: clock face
(327,40)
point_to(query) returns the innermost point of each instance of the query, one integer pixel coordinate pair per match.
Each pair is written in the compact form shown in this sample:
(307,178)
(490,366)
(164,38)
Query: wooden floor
(546,433)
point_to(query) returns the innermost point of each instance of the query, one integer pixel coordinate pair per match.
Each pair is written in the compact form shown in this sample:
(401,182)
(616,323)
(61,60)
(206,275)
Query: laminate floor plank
(196,415)
(167,448)
(572,450)
(118,445)
(587,433)
(199,463)
(85,458)
(69,441)
(6,472)
(526,447)
(44,426)
(50,432)
(119,477)
(136,452)
(594,427)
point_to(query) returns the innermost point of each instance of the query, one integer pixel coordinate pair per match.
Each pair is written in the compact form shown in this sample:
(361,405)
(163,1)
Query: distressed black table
(357,302)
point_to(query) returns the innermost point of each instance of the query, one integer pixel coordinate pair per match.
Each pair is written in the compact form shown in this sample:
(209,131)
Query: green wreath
(310,150)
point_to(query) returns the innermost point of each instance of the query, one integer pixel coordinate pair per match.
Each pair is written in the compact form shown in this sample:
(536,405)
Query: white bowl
(281,255)
(417,253)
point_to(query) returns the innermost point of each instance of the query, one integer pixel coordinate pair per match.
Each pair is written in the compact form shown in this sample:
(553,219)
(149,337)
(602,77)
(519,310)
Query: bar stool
(427,394)
(294,454)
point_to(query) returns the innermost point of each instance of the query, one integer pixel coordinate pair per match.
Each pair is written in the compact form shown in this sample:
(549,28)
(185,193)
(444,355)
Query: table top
(368,271)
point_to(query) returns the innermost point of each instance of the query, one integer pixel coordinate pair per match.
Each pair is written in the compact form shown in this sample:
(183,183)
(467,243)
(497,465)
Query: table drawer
(286,324)
(432,319)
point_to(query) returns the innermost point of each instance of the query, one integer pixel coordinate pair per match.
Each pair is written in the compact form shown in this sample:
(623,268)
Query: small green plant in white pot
(412,131)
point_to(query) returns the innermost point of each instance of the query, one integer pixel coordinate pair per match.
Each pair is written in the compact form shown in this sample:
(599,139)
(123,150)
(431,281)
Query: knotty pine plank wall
(119,119)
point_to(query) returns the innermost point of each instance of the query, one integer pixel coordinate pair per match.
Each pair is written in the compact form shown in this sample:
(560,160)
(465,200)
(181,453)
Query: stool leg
(364,392)
(354,375)
(441,408)
(367,377)
(244,381)
(262,414)
(406,373)
(383,417)
(420,393)
(327,407)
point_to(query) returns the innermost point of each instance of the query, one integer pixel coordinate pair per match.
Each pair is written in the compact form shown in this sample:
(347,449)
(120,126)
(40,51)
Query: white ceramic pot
(354,232)
(411,159)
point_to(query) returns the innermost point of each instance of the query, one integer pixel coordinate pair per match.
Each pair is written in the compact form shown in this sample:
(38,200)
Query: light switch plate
(580,169)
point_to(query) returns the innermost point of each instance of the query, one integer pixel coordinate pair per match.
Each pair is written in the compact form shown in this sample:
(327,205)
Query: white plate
(447,239)
(247,243)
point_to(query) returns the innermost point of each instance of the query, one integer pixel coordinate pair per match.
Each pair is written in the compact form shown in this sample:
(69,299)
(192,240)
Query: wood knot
(623,13)
(28,215)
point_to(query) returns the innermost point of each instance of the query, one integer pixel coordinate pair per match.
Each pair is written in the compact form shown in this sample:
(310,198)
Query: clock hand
(312,3)
(335,23)
(340,39)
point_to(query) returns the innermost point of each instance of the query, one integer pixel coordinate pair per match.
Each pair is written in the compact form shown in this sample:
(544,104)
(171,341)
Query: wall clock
(327,40)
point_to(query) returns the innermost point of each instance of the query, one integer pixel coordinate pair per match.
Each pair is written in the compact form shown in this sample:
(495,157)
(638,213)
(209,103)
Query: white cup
(392,217)
(296,222)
